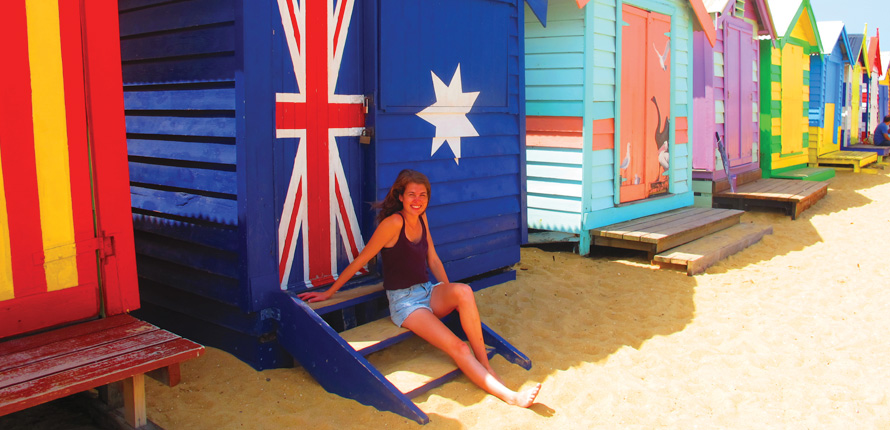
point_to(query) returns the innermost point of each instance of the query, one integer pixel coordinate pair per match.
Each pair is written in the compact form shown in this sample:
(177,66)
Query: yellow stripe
(6,291)
(51,143)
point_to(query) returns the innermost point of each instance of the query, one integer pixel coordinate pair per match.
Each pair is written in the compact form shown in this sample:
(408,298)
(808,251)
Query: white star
(449,113)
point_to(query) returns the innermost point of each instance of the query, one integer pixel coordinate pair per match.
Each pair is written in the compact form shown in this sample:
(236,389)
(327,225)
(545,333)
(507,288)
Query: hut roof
(874,48)
(786,15)
(832,32)
(763,11)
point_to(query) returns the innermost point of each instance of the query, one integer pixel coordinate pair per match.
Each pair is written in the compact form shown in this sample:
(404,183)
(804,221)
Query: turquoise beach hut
(609,112)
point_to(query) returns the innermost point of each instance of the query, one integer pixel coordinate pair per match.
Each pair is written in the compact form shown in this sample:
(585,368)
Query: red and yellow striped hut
(66,237)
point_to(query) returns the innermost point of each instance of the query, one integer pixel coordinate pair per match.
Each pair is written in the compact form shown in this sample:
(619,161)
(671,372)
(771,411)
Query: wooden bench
(39,368)
(792,196)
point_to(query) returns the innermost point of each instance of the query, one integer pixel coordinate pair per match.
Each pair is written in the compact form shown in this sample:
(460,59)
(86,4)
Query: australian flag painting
(439,81)
(319,113)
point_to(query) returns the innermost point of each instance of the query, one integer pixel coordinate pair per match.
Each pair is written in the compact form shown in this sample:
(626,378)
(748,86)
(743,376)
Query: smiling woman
(403,238)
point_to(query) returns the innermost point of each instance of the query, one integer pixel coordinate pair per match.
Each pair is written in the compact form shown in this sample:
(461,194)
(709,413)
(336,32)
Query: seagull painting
(626,163)
(662,57)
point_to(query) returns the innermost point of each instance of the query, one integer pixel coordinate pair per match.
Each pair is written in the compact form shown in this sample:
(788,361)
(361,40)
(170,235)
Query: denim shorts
(405,301)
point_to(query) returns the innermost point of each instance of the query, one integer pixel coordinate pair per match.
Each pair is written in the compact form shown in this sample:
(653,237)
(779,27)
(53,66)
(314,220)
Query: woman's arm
(386,231)
(432,259)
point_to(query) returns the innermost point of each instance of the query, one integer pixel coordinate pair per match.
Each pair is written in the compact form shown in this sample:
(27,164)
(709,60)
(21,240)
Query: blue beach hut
(827,90)
(260,132)
(609,112)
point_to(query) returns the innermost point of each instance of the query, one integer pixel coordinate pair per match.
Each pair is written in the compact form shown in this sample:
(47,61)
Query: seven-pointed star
(449,113)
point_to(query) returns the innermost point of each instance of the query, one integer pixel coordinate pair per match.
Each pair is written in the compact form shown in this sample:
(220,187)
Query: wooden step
(660,232)
(420,367)
(696,256)
(415,366)
(789,195)
(854,159)
(346,298)
(807,174)
(375,335)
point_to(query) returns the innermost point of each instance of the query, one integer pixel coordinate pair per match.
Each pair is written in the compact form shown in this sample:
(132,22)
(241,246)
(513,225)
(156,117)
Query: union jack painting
(318,206)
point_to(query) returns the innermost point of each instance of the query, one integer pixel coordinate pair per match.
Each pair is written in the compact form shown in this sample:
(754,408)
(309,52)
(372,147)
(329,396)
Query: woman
(403,238)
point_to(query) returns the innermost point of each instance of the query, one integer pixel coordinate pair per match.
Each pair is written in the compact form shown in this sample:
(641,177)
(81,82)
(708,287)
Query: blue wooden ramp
(338,360)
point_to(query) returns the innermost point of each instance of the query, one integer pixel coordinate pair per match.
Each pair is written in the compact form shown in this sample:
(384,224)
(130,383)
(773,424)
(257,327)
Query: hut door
(832,106)
(645,104)
(846,116)
(792,99)
(320,114)
(48,245)
(738,46)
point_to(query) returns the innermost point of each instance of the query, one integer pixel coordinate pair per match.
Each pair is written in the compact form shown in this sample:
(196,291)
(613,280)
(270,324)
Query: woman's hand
(313,297)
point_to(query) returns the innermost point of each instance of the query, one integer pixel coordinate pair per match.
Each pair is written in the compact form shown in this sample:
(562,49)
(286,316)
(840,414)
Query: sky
(854,14)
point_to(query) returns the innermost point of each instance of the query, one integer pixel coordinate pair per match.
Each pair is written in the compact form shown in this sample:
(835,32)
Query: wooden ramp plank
(372,336)
(698,255)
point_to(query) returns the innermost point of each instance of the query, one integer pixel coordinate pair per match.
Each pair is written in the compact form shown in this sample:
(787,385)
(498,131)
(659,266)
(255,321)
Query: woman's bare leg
(426,325)
(448,297)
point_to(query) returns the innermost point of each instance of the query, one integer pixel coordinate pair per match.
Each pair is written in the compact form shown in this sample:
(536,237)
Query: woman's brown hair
(391,203)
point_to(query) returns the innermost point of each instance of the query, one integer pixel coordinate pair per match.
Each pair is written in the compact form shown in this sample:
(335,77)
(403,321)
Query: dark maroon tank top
(404,264)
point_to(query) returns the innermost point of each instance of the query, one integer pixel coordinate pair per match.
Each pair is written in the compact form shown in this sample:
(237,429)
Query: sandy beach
(789,333)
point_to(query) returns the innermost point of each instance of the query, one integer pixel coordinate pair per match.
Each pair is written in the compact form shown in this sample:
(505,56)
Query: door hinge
(103,244)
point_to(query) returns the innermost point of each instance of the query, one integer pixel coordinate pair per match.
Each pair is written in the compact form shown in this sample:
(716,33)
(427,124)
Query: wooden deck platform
(46,366)
(792,196)
(696,256)
(881,151)
(854,159)
(656,233)
(807,174)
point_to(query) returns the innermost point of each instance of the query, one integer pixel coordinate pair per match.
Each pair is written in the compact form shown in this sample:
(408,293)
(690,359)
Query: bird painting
(663,57)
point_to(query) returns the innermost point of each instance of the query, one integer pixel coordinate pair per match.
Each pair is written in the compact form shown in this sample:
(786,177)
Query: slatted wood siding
(573,70)
(179,64)
(554,75)
(179,76)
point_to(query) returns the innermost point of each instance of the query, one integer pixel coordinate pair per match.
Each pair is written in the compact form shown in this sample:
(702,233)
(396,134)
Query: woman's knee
(463,293)
(459,348)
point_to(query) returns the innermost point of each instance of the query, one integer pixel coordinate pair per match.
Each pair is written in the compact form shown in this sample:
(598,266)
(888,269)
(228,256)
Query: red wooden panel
(37,340)
(560,124)
(78,147)
(73,344)
(603,134)
(105,113)
(31,393)
(681,130)
(82,357)
(35,312)
(554,131)
(19,159)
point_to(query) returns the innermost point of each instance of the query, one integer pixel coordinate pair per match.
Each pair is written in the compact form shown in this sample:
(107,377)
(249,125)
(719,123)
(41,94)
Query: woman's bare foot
(527,397)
